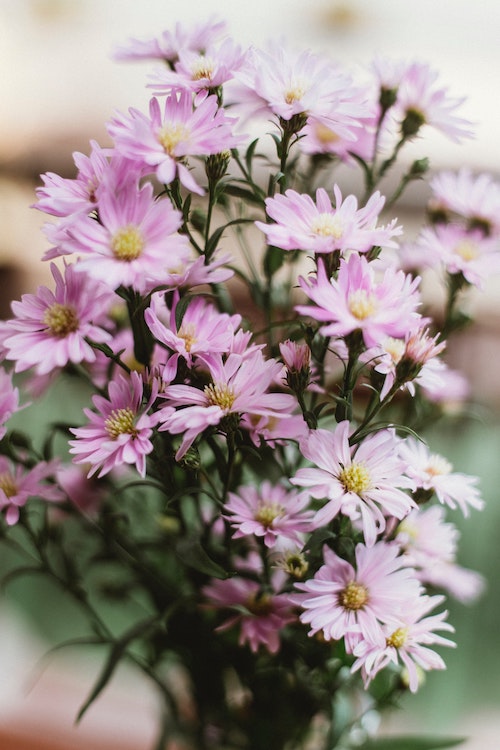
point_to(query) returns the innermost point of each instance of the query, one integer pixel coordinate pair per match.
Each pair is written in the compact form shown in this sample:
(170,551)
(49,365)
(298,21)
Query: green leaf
(181,307)
(249,155)
(192,554)
(273,260)
(407,742)
(215,237)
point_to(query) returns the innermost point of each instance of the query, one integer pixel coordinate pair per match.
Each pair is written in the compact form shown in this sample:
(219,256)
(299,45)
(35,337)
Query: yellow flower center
(120,422)
(467,250)
(61,319)
(324,134)
(127,244)
(361,304)
(7,484)
(328,225)
(398,638)
(259,605)
(202,68)
(295,564)
(355,478)
(171,135)
(268,512)
(294,93)
(438,466)
(187,333)
(219,394)
(354,596)
(395,348)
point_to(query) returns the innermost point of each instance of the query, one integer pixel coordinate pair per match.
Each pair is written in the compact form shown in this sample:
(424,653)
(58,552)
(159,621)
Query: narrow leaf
(412,743)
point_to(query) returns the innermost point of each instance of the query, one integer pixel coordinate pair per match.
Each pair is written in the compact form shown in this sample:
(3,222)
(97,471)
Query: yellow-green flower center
(127,243)
(438,466)
(171,135)
(259,605)
(202,68)
(219,394)
(268,512)
(361,304)
(120,422)
(395,348)
(187,332)
(7,484)
(324,134)
(398,638)
(295,93)
(467,250)
(61,319)
(354,596)
(328,225)
(355,478)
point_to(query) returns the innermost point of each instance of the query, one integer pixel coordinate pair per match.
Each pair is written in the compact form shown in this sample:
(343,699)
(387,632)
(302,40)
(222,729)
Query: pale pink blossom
(261,615)
(238,386)
(270,512)
(365,482)
(354,602)
(319,227)
(50,329)
(136,236)
(476,197)
(356,301)
(18,485)
(163,141)
(119,431)
(9,399)
(433,474)
(407,640)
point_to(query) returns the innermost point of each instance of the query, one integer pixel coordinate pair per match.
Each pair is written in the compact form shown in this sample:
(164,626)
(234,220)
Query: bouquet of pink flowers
(254,357)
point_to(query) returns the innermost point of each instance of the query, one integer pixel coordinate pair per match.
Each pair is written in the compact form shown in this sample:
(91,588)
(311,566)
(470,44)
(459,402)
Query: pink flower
(433,474)
(353,602)
(119,431)
(162,142)
(362,482)
(9,399)
(421,102)
(17,486)
(278,82)
(461,251)
(270,512)
(50,328)
(199,70)
(261,615)
(474,197)
(203,330)
(169,44)
(318,227)
(132,241)
(239,386)
(355,301)
(406,639)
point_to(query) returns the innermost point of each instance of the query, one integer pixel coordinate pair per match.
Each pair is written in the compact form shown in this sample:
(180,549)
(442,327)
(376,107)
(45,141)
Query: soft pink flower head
(356,301)
(9,400)
(260,615)
(318,227)
(120,429)
(50,328)
(163,141)
(407,639)
(269,511)
(364,482)
(353,602)
(473,197)
(17,486)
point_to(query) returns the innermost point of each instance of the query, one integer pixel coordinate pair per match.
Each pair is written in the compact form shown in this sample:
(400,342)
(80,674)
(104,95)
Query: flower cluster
(243,458)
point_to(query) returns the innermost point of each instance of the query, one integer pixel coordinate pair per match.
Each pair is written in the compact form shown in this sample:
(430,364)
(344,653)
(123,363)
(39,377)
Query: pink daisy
(353,602)
(407,639)
(238,387)
(162,142)
(269,511)
(260,615)
(132,240)
(17,486)
(119,431)
(433,474)
(9,399)
(50,328)
(363,482)
(356,301)
(318,227)
(474,197)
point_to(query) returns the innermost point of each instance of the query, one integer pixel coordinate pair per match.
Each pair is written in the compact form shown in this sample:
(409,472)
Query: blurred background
(58,86)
